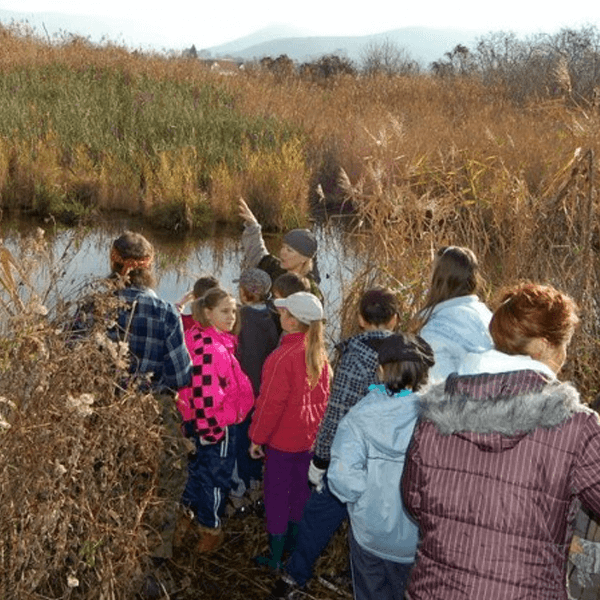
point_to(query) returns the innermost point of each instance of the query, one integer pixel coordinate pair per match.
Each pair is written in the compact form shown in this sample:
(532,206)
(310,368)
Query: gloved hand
(315,476)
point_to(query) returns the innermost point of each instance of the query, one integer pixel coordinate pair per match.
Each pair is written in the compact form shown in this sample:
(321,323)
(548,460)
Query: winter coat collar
(495,411)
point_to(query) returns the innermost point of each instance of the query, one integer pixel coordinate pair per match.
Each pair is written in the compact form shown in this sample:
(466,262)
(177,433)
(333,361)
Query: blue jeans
(375,578)
(323,514)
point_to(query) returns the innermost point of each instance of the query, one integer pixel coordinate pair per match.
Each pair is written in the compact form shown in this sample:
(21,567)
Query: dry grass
(79,462)
(421,162)
(550,238)
(87,128)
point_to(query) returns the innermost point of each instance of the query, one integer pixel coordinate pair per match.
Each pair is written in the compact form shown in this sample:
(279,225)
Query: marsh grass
(549,237)
(86,128)
(420,162)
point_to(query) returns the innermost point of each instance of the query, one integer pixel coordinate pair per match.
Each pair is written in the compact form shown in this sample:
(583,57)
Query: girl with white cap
(288,411)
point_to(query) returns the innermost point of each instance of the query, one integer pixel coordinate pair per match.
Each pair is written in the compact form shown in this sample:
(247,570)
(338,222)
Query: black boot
(274,559)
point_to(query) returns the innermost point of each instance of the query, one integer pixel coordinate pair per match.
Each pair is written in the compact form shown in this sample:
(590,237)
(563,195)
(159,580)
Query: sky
(207,23)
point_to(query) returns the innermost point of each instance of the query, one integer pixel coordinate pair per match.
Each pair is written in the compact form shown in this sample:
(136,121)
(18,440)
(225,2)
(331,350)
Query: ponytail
(316,356)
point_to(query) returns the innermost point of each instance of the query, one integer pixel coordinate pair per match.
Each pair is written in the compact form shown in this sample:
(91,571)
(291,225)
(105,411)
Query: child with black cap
(367,460)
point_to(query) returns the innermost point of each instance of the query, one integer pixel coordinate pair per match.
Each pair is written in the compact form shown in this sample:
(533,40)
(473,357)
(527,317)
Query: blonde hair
(307,268)
(315,353)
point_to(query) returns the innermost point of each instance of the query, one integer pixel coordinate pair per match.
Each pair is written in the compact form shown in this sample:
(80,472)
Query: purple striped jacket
(498,466)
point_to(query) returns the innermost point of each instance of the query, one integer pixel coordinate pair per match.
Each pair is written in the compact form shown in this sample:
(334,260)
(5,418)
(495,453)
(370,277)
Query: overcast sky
(213,22)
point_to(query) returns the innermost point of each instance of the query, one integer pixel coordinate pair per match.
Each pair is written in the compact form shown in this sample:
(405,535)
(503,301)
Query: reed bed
(79,460)
(418,161)
(87,128)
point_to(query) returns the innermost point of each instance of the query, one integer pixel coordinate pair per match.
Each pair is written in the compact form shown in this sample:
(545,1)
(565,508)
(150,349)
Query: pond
(181,259)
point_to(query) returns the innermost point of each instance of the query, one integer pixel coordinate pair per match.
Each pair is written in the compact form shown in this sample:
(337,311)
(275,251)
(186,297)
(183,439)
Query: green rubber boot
(274,559)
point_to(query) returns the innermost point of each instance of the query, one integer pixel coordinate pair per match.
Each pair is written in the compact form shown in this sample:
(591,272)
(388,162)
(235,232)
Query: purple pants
(285,488)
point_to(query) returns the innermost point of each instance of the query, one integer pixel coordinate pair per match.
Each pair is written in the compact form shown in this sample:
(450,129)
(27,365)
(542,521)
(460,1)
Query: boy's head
(404,362)
(378,307)
(289,283)
(255,285)
(203,284)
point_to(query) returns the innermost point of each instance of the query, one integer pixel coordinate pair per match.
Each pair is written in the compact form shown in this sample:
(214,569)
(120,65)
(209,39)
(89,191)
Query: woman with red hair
(502,457)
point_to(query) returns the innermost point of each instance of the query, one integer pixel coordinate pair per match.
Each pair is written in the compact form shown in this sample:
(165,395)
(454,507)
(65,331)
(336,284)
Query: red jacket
(288,412)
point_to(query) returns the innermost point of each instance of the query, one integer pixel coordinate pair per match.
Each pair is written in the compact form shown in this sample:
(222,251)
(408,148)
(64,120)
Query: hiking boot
(284,589)
(210,538)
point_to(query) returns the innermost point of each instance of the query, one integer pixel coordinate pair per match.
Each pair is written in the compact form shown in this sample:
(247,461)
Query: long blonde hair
(315,352)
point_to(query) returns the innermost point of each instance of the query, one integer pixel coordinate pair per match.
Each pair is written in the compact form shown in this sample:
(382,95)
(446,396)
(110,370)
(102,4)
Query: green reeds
(80,138)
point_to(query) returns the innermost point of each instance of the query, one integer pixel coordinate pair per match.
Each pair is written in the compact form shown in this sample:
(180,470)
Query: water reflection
(182,259)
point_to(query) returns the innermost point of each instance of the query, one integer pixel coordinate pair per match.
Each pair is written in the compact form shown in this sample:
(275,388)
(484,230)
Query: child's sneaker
(284,589)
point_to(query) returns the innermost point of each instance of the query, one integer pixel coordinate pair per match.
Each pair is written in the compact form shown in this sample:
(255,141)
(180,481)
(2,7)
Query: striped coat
(495,473)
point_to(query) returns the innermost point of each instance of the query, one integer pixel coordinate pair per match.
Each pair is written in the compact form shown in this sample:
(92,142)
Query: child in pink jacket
(219,398)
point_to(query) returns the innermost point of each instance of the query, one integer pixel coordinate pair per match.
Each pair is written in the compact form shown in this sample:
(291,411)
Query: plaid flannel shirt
(355,372)
(155,336)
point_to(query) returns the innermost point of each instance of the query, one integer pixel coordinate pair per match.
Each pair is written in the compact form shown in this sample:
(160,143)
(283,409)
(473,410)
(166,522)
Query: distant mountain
(421,44)
(272,33)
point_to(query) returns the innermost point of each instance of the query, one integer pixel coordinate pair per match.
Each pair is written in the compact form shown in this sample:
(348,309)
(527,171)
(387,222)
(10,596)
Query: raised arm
(252,240)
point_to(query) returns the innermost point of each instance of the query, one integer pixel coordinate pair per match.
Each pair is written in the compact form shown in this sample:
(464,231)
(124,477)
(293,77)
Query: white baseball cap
(304,306)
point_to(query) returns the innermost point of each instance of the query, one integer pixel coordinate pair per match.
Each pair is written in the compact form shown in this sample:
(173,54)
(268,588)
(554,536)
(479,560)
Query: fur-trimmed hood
(495,411)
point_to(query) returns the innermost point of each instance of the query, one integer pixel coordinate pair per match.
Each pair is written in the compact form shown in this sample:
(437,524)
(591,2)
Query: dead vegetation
(79,459)
(552,237)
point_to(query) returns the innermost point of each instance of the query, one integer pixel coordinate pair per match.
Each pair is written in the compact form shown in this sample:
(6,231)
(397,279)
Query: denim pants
(210,473)
(248,468)
(323,514)
(375,578)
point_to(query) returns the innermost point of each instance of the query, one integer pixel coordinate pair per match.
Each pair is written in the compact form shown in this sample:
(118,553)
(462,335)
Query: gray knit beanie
(302,241)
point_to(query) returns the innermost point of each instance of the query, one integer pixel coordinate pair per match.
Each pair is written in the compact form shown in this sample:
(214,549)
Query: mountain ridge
(421,44)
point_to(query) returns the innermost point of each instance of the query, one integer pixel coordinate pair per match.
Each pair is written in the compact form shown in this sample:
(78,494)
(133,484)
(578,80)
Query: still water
(181,259)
